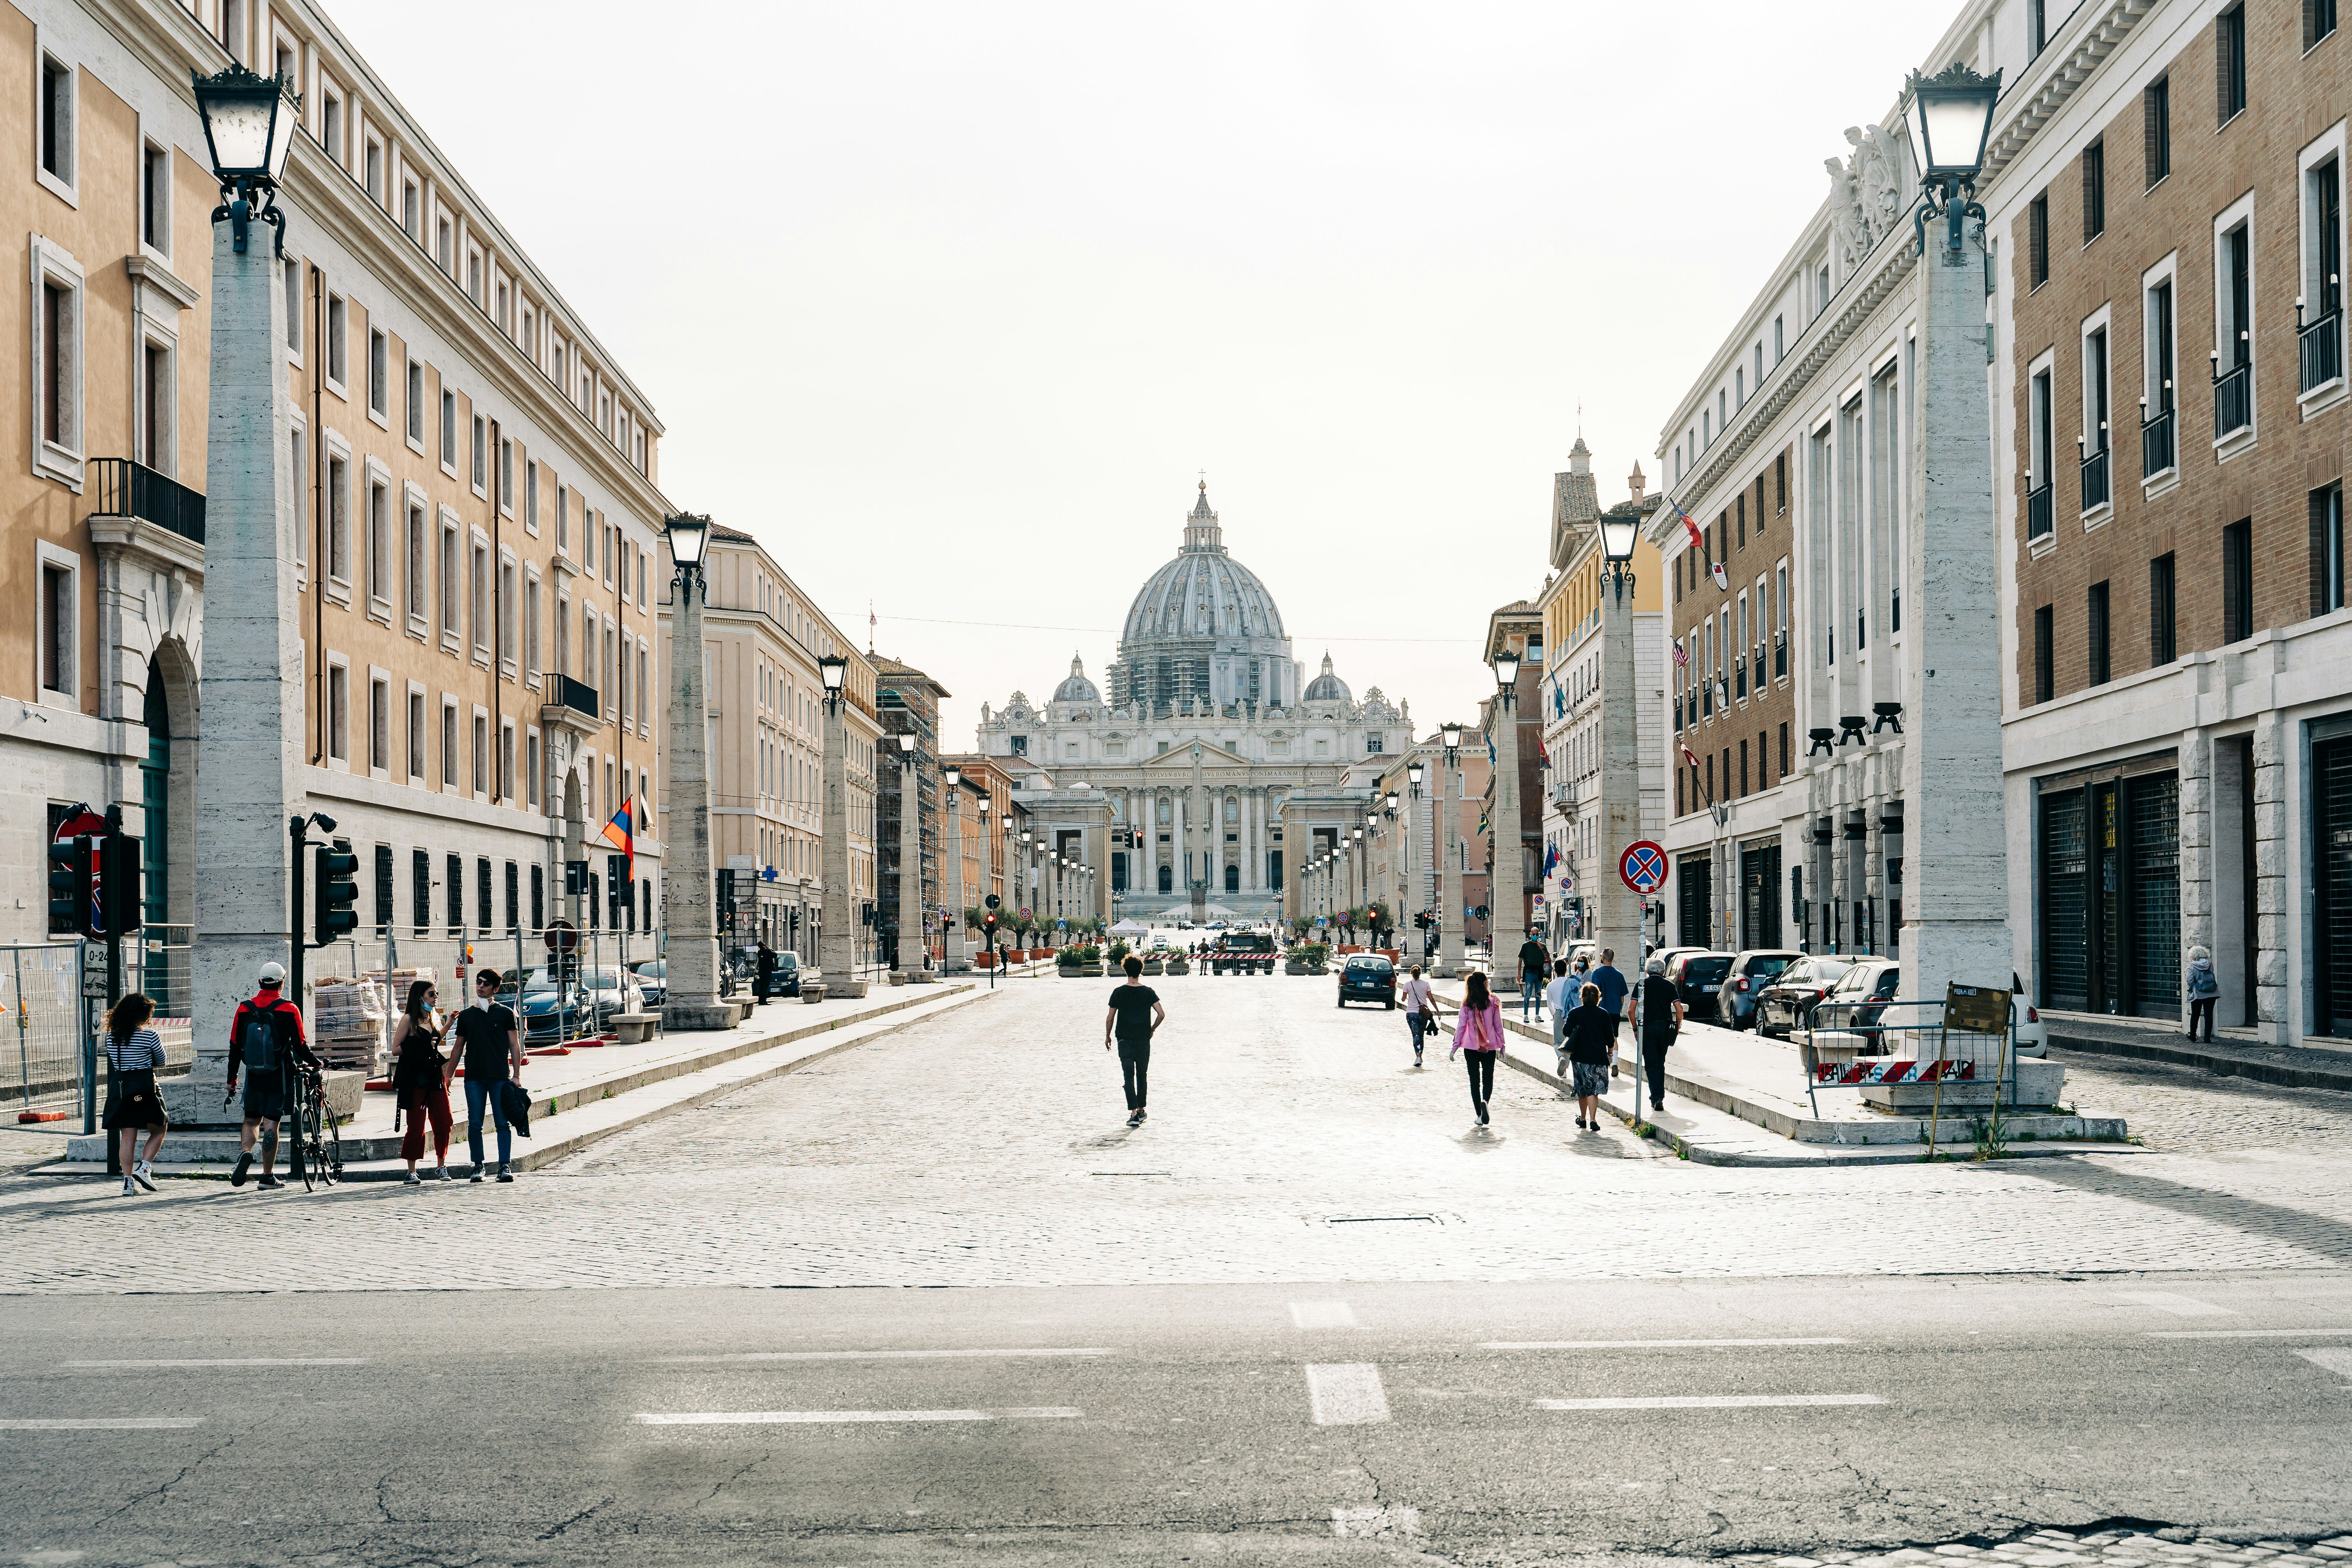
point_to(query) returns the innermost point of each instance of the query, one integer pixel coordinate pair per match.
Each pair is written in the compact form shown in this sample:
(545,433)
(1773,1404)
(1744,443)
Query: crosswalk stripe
(2245,1333)
(106,1424)
(1347,1394)
(1641,1345)
(815,1417)
(2336,1359)
(874,1355)
(227,1361)
(2178,1306)
(1322,1315)
(1708,1401)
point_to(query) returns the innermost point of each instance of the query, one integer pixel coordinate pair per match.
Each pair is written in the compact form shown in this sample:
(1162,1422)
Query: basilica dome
(1078,688)
(1328,687)
(1202,593)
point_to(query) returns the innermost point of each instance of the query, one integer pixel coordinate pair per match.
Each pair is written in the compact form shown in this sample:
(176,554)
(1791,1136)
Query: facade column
(911,870)
(2274,1022)
(249,744)
(1508,897)
(1955,862)
(2197,858)
(1451,921)
(1179,846)
(691,996)
(952,959)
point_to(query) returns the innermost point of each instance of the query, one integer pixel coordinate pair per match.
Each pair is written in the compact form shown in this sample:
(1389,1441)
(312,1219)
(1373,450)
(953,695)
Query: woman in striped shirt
(132,1102)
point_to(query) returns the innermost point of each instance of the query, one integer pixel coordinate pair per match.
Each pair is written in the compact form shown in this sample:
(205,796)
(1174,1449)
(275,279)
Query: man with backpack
(265,1036)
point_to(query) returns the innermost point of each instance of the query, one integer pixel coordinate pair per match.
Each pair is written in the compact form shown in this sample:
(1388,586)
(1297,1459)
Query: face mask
(481,1001)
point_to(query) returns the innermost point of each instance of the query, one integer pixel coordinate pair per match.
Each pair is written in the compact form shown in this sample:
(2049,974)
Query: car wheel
(1391,1004)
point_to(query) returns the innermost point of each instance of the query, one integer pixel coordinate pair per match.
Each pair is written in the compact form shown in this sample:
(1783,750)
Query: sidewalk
(1735,1099)
(590,1094)
(2235,1053)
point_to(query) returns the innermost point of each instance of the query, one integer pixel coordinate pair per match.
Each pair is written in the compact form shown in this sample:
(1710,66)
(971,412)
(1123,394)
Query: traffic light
(70,886)
(334,891)
(121,906)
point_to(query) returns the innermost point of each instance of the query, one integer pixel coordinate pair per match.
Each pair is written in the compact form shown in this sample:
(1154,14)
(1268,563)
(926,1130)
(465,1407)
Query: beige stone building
(477,490)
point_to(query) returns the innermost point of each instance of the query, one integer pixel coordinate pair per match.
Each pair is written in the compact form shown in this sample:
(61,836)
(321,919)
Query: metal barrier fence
(1876,1032)
(46,1018)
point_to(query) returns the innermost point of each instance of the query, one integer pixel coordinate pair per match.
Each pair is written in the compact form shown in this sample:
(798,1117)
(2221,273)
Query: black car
(1698,981)
(1786,1005)
(1368,977)
(786,980)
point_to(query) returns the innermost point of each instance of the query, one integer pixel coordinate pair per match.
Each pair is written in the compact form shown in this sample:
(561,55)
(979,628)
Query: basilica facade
(1215,765)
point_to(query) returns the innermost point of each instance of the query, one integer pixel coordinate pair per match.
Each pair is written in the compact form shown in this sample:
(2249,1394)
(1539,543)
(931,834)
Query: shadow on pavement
(2331,1238)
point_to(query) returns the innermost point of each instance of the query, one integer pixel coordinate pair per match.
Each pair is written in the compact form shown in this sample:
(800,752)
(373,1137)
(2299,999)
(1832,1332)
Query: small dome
(1328,687)
(1077,688)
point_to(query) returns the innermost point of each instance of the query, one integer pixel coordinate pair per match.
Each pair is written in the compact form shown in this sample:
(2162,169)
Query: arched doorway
(1167,878)
(1233,878)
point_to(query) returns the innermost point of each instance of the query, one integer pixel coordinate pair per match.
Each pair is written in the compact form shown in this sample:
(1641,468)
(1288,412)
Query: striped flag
(1682,657)
(621,833)
(1689,757)
(1689,528)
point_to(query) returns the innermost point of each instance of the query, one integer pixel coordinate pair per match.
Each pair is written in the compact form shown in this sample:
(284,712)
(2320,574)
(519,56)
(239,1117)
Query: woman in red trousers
(420,1079)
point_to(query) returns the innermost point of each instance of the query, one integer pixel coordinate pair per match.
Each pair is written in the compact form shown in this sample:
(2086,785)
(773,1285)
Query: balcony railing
(2037,512)
(125,489)
(569,702)
(2095,490)
(2234,400)
(2321,343)
(2155,445)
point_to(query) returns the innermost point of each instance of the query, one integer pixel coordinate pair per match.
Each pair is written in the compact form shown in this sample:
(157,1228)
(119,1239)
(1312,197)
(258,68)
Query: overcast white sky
(948,303)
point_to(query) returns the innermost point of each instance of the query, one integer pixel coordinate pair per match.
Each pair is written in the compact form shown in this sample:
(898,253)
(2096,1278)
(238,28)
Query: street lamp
(833,669)
(1618,532)
(1949,116)
(1506,675)
(249,125)
(1452,736)
(689,539)
(1414,771)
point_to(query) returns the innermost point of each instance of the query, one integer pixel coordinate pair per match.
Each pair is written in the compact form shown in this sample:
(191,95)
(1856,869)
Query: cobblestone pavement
(1287,1141)
(2187,1111)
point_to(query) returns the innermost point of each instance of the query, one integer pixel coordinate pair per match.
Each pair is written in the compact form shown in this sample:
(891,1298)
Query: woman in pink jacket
(1479,1031)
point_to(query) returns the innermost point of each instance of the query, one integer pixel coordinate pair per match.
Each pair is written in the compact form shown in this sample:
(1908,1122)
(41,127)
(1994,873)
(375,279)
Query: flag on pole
(1681,655)
(1543,751)
(621,834)
(1689,528)
(1687,757)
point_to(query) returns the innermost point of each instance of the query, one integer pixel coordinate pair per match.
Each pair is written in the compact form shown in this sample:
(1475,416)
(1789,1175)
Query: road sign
(1644,867)
(562,936)
(1024,911)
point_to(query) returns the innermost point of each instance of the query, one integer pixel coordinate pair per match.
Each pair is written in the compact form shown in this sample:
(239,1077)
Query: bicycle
(318,1146)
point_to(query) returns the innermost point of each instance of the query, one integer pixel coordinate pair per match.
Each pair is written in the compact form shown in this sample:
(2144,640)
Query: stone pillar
(1508,896)
(1616,908)
(951,883)
(1179,859)
(2274,1015)
(913,941)
(691,997)
(249,704)
(1451,919)
(1956,863)
(2197,858)
(1198,871)
(837,951)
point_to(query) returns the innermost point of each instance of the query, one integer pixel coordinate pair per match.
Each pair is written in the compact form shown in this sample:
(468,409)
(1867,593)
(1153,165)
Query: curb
(2221,1066)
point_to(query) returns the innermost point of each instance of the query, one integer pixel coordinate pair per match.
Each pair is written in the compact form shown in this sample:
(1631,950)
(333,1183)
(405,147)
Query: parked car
(786,980)
(551,1010)
(653,981)
(1750,971)
(1880,981)
(1698,980)
(1368,977)
(1786,1005)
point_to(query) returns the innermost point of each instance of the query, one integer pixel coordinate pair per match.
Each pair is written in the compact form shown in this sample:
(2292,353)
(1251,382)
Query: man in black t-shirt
(492,1041)
(1135,1012)
(1658,1008)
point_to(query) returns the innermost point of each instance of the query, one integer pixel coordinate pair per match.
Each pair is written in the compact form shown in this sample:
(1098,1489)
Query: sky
(952,306)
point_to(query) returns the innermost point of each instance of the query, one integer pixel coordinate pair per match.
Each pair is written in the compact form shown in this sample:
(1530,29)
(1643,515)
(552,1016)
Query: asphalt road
(1305,1314)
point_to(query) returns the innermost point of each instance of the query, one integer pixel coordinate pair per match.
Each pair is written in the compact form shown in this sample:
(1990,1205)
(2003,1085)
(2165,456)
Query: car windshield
(788,961)
(1704,968)
(1360,961)
(1765,968)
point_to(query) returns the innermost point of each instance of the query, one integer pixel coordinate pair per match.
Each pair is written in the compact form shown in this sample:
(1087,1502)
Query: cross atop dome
(1200,530)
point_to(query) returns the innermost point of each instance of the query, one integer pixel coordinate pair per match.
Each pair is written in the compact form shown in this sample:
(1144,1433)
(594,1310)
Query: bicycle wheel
(298,1113)
(330,1141)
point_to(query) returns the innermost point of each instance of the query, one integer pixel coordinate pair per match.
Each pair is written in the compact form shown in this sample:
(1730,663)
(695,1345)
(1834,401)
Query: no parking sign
(1644,867)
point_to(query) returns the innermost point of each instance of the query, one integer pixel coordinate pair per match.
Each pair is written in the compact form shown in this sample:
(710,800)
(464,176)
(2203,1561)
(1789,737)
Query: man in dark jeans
(1658,1010)
(1533,961)
(1135,1012)
(492,1041)
(266,1037)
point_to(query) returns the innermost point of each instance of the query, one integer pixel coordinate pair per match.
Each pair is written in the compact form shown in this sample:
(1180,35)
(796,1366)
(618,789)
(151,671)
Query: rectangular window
(379,546)
(338,713)
(297,470)
(2327,548)
(383,889)
(2161,350)
(484,914)
(449,745)
(408,208)
(481,454)
(416,403)
(338,518)
(380,726)
(531,768)
(59,365)
(416,737)
(507,618)
(2046,656)
(2238,580)
(506,477)
(56,128)
(2037,30)
(2095,191)
(454,888)
(1783,772)
(2037,241)
(448,429)
(379,375)
(530,496)
(1781,485)
(1780,340)
(57,605)
(155,199)
(2318,20)
(514,895)
(372,170)
(482,755)
(337,318)
(562,517)
(2162,644)
(331,127)
(420,890)
(2230,64)
(506,762)
(530,629)
(2156,129)
(294,306)
(479,605)
(2096,634)
(449,587)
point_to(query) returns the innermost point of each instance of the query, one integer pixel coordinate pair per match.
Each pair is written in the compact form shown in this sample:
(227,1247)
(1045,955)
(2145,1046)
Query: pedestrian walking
(1613,985)
(763,971)
(2204,989)
(265,1042)
(1478,1035)
(1534,962)
(1658,1015)
(133,1104)
(492,1041)
(1560,995)
(1416,1010)
(420,1079)
(1136,1011)
(1591,1046)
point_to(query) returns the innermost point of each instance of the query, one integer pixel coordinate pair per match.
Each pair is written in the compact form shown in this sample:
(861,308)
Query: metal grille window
(2327,551)
(2096,634)
(2161,644)
(514,895)
(457,894)
(2331,766)
(2153,813)
(482,911)
(2065,863)
(2045,662)
(383,889)
(420,890)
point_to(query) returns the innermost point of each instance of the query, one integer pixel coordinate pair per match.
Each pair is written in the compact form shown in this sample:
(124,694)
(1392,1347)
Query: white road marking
(107,1424)
(227,1361)
(1347,1394)
(2178,1306)
(1367,1523)
(2244,1333)
(815,1417)
(1639,1344)
(1322,1315)
(1709,1401)
(872,1355)
(2336,1359)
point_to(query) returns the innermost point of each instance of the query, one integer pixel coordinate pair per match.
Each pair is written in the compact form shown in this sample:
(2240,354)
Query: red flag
(1690,528)
(1689,758)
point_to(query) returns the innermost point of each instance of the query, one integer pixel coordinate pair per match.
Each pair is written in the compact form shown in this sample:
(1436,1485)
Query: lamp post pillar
(248,750)
(1616,908)
(691,997)
(914,939)
(837,951)
(1954,860)
(1508,896)
(951,884)
(1451,920)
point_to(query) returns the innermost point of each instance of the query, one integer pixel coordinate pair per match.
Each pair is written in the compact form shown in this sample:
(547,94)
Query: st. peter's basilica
(1210,736)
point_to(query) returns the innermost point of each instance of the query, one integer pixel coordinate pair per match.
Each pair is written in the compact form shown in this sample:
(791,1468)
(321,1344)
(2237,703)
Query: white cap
(273,975)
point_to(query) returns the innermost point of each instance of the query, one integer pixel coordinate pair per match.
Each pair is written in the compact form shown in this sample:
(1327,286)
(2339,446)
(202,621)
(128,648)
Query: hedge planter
(1178,966)
(1292,966)
(1154,965)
